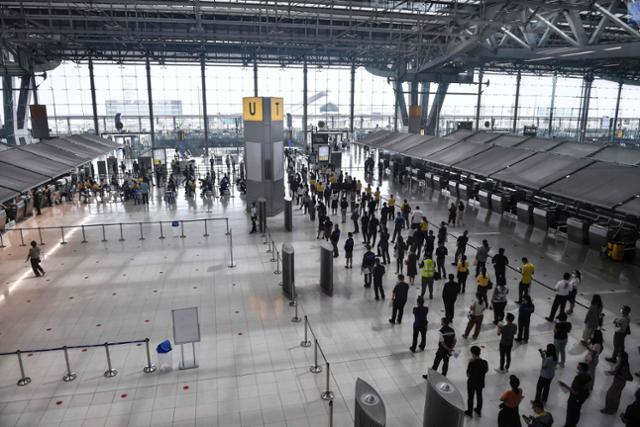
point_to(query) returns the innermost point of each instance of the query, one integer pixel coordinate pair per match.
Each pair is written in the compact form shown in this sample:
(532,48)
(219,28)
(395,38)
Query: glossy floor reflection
(252,370)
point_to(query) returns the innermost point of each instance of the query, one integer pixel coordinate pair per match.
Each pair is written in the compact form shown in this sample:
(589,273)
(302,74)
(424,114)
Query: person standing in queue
(507,333)
(355,216)
(500,262)
(476,314)
(450,292)
(526,270)
(34,257)
(509,416)
(412,266)
(476,371)
(461,246)
(578,393)
(427,272)
(378,274)
(348,251)
(399,297)
(524,318)
(547,372)
(383,245)
(429,244)
(391,202)
(398,225)
(364,226)
(621,374)
(419,325)
(441,254)
(374,224)
(399,248)
(462,273)
(622,330)
(482,254)
(335,238)
(563,289)
(344,206)
(446,344)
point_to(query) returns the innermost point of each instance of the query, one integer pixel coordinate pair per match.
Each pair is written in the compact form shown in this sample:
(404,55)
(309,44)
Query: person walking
(506,332)
(476,314)
(399,250)
(364,226)
(561,336)
(427,273)
(416,218)
(442,234)
(254,218)
(484,284)
(412,267)
(399,299)
(631,415)
(383,245)
(460,216)
(575,281)
(344,206)
(578,393)
(592,319)
(368,261)
(622,330)
(348,251)
(562,288)
(450,292)
(482,254)
(525,311)
(476,371)
(526,270)
(429,244)
(446,344)
(355,216)
(462,271)
(461,246)
(441,254)
(594,349)
(419,325)
(453,212)
(541,418)
(500,262)
(34,257)
(621,374)
(378,274)
(509,415)
(499,302)
(335,238)
(547,372)
(405,209)
(374,224)
(398,226)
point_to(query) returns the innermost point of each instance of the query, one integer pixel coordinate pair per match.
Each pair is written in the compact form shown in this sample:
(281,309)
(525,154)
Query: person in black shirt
(348,251)
(461,246)
(449,295)
(445,347)
(383,245)
(442,234)
(335,238)
(378,274)
(500,262)
(524,318)
(400,292)
(368,261)
(453,211)
(476,371)
(631,416)
(374,223)
(441,254)
(578,393)
(429,244)
(384,213)
(364,225)
(419,325)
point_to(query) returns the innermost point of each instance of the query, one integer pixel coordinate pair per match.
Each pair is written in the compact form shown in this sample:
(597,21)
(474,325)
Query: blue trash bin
(165,356)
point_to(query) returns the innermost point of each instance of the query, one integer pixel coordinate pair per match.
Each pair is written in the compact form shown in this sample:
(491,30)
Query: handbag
(490,285)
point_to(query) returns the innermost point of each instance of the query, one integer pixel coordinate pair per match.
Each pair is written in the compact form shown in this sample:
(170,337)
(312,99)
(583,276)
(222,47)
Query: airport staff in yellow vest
(427,271)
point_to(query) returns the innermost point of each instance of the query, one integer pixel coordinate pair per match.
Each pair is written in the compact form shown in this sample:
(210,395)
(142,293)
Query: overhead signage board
(252,109)
(277,109)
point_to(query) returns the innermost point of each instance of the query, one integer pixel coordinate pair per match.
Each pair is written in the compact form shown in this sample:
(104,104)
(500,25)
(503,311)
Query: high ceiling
(404,39)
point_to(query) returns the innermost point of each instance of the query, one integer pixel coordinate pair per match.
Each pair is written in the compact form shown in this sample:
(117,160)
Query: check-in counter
(20,210)
(484,197)
(524,212)
(3,220)
(578,230)
(598,235)
(29,203)
(544,217)
(463,192)
(437,181)
(499,202)
(428,177)
(453,188)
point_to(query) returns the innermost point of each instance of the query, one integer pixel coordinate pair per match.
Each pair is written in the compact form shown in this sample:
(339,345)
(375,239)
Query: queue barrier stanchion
(269,246)
(69,376)
(327,394)
(206,231)
(182,236)
(84,237)
(278,262)
(40,236)
(104,234)
(150,367)
(331,413)
(273,251)
(161,231)
(24,380)
(141,233)
(305,342)
(228,229)
(315,368)
(110,372)
(22,238)
(62,235)
(231,262)
(295,318)
(121,234)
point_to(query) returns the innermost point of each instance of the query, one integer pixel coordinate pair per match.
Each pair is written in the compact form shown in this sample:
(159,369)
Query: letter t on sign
(277,109)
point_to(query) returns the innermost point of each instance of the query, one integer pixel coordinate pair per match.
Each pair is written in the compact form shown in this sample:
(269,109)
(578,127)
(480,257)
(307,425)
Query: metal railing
(273,250)
(178,226)
(69,374)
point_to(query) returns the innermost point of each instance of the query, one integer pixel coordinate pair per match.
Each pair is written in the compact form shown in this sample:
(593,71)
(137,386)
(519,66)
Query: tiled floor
(252,370)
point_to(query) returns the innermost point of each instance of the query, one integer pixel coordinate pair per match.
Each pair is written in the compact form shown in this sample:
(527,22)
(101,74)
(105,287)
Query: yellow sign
(277,109)
(252,109)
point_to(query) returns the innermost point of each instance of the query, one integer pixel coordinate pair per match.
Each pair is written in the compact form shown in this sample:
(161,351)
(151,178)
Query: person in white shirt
(576,279)
(563,289)
(416,217)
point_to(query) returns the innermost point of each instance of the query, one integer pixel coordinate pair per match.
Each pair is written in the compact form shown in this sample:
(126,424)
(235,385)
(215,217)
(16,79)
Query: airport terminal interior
(219,213)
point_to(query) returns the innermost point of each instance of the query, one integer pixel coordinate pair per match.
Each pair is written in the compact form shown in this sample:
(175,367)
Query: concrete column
(614,126)
(434,115)
(204,104)
(424,103)
(353,98)
(584,108)
(554,84)
(150,101)
(305,94)
(94,105)
(402,104)
(479,102)
(9,112)
(517,102)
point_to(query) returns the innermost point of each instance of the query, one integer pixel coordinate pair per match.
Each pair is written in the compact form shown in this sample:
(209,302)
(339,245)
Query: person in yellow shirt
(392,206)
(484,283)
(527,269)
(462,273)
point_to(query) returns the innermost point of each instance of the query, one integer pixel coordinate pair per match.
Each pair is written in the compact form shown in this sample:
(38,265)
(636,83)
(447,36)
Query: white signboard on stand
(186,329)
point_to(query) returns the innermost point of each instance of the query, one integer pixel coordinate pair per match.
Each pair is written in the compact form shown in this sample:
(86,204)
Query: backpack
(369,258)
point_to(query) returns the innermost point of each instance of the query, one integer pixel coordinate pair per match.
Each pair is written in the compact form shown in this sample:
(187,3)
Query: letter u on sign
(252,109)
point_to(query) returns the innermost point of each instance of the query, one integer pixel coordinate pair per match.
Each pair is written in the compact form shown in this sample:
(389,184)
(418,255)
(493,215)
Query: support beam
(614,127)
(34,88)
(402,103)
(544,39)
(424,103)
(517,39)
(23,102)
(395,112)
(517,102)
(305,93)
(577,26)
(556,29)
(584,108)
(414,85)
(255,76)
(595,36)
(479,101)
(94,105)
(434,115)
(554,84)
(150,101)
(618,21)
(9,114)
(205,118)
(352,100)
